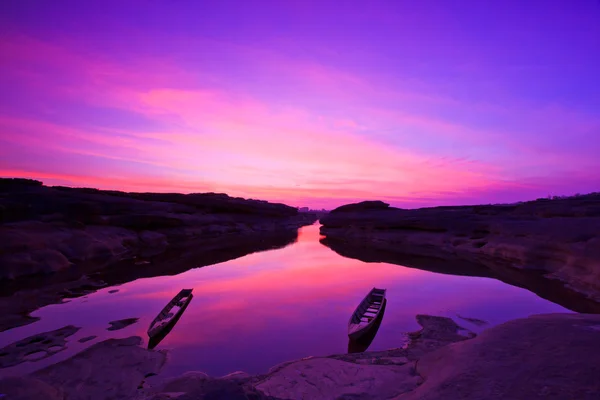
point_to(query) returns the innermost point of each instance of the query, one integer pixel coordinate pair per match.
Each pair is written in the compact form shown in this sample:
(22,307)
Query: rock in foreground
(326,378)
(541,357)
(112,369)
(28,388)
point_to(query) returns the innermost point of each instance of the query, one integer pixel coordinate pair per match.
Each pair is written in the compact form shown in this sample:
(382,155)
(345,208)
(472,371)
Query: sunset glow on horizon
(308,103)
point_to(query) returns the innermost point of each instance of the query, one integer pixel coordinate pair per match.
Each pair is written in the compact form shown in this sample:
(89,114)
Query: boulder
(540,357)
(112,369)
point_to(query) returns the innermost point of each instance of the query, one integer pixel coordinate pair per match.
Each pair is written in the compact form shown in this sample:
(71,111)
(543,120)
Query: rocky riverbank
(58,242)
(540,357)
(551,247)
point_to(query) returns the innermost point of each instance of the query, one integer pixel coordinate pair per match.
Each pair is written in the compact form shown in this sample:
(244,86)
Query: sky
(310,103)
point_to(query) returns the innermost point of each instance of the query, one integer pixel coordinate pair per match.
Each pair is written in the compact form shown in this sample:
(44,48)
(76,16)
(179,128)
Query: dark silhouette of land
(549,246)
(63,242)
(58,242)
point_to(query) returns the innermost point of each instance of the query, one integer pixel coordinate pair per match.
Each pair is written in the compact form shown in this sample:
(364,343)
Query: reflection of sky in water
(254,312)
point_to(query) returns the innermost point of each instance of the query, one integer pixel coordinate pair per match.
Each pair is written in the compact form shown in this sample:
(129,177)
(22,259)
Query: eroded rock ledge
(58,242)
(559,239)
(541,357)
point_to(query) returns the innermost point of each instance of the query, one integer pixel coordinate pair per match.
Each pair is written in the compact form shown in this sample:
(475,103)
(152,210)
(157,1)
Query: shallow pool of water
(254,312)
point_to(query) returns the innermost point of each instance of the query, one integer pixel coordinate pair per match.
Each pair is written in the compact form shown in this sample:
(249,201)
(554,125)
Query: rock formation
(112,369)
(121,324)
(36,347)
(557,239)
(58,242)
(541,357)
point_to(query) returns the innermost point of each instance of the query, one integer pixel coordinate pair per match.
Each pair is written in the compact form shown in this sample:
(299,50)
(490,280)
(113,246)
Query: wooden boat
(365,315)
(170,313)
(156,339)
(362,343)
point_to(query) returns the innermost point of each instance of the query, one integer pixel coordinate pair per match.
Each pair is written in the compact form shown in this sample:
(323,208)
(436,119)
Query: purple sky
(306,102)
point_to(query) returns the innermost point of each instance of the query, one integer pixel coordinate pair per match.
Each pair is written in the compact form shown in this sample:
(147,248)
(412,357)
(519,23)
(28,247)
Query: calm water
(257,311)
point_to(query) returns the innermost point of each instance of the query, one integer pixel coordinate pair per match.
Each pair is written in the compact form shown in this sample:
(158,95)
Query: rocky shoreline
(58,242)
(540,357)
(551,247)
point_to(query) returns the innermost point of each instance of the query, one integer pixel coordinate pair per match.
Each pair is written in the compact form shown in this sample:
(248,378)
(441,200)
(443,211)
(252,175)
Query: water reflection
(179,258)
(260,310)
(550,289)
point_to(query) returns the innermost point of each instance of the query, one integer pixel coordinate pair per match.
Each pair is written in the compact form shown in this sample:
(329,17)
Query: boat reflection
(362,344)
(156,339)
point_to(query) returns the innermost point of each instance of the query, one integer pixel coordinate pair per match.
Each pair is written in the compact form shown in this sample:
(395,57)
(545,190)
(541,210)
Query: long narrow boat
(362,343)
(365,315)
(170,313)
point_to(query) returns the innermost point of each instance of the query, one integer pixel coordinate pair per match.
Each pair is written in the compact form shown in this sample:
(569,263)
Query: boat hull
(154,340)
(361,332)
(375,295)
(362,343)
(157,328)
(160,329)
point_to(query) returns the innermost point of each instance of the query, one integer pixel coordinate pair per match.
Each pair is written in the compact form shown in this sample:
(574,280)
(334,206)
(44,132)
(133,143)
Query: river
(254,312)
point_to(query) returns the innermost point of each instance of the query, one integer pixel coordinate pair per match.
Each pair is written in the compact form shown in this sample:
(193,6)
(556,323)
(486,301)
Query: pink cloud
(129,182)
(249,145)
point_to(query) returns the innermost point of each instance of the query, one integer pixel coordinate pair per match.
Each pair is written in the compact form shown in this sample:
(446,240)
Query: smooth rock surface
(552,356)
(326,378)
(28,388)
(217,389)
(549,356)
(185,383)
(437,332)
(112,369)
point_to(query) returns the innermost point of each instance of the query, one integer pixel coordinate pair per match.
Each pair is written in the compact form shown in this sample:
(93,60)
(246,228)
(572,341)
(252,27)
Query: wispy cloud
(311,133)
